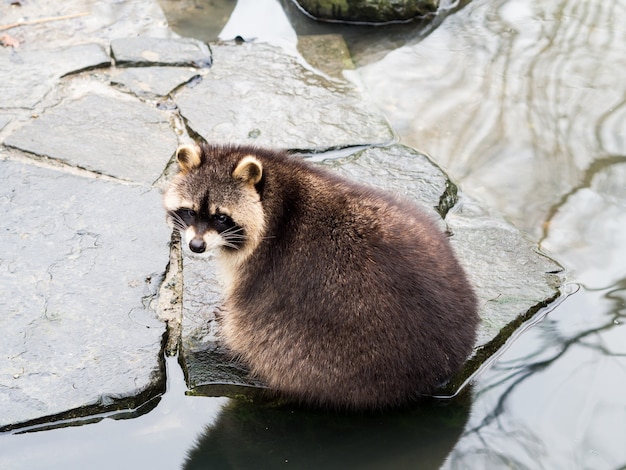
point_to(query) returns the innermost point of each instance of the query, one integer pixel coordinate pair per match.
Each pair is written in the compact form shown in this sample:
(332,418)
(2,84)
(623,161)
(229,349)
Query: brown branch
(42,20)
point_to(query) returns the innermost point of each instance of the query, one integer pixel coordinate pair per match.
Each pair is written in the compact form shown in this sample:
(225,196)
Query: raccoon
(337,294)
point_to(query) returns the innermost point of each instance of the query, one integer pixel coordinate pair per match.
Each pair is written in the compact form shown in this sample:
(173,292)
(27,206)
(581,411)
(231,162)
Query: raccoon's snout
(197,245)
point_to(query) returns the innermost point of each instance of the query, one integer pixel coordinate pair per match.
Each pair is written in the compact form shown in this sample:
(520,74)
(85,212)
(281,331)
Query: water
(524,103)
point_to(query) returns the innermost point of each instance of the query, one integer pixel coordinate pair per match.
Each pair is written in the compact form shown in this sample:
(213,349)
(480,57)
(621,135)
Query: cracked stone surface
(160,51)
(29,75)
(157,81)
(79,269)
(510,277)
(109,133)
(281,103)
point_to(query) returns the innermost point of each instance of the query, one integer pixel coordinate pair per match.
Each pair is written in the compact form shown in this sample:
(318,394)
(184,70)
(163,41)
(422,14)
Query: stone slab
(283,103)
(81,260)
(137,51)
(109,133)
(511,278)
(27,76)
(146,81)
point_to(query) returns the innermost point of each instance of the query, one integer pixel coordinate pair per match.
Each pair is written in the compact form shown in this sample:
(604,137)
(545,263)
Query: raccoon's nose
(197,245)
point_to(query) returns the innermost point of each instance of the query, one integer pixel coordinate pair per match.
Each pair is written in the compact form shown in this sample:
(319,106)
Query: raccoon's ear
(189,157)
(249,170)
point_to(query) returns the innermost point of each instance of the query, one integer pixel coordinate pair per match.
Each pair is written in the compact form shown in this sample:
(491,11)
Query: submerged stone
(29,75)
(108,133)
(510,277)
(326,52)
(368,11)
(160,51)
(81,260)
(282,103)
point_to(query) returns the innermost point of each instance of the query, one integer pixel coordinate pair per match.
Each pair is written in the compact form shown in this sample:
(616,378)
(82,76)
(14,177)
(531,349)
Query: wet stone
(399,169)
(148,81)
(27,76)
(81,260)
(160,51)
(110,133)
(510,277)
(206,360)
(281,103)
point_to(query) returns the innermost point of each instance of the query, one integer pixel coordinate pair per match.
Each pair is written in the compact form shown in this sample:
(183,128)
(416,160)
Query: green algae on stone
(368,11)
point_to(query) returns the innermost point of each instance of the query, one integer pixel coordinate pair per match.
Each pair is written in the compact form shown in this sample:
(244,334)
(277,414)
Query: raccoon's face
(213,201)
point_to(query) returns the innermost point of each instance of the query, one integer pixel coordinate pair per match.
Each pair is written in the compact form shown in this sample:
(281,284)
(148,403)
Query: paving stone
(160,51)
(112,134)
(27,76)
(81,260)
(282,103)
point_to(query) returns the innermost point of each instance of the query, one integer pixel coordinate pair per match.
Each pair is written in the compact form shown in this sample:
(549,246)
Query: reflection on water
(524,102)
(254,435)
(517,98)
(555,399)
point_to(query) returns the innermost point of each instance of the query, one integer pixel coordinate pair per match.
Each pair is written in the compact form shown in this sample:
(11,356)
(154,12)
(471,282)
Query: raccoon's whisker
(177,221)
(234,236)
(230,245)
(233,230)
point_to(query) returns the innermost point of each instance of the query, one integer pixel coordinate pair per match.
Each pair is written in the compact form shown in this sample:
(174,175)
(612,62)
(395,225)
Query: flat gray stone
(4,120)
(281,103)
(137,51)
(81,260)
(401,170)
(113,134)
(27,76)
(510,277)
(158,81)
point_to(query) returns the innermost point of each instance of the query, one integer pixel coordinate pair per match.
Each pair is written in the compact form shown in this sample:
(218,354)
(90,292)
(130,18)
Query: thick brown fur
(339,295)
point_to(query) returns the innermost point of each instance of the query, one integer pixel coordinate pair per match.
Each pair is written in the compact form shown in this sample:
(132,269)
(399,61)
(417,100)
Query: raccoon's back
(359,305)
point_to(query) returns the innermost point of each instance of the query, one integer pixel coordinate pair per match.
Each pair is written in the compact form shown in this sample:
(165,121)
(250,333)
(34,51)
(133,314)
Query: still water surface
(523,102)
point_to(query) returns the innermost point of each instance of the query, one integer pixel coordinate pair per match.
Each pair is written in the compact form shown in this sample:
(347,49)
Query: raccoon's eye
(221,218)
(187,215)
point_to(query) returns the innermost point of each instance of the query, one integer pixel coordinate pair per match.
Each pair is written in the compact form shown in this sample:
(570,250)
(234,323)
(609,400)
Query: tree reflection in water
(554,399)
